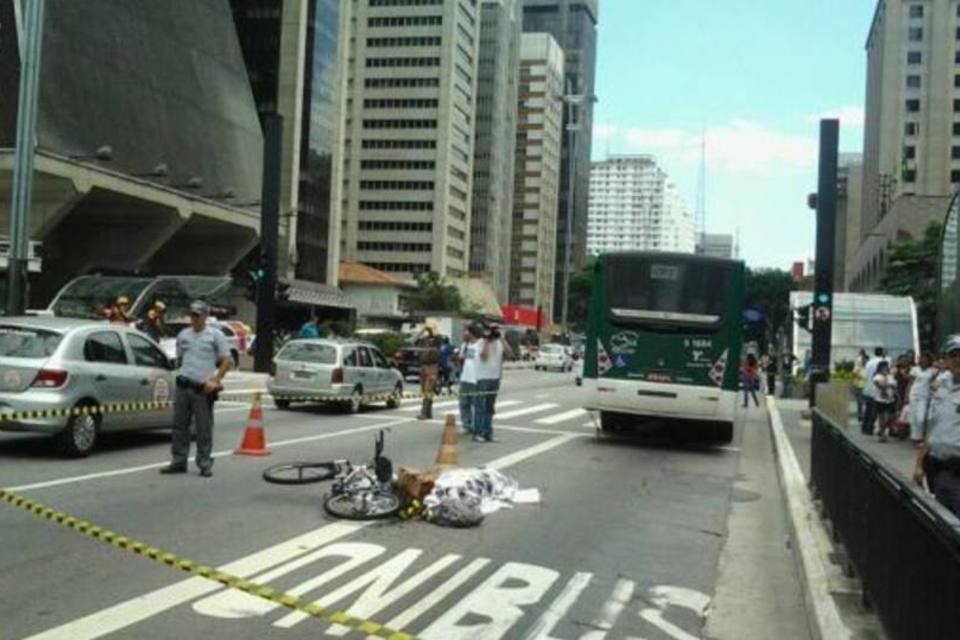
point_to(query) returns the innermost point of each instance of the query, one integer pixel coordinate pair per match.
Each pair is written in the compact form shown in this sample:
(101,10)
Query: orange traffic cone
(447,455)
(254,440)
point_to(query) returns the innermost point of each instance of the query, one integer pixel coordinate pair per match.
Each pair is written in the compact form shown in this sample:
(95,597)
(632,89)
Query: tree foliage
(912,271)
(433,293)
(768,291)
(581,290)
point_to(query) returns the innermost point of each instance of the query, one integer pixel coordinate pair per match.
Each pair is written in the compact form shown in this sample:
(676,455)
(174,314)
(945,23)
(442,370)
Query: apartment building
(410,117)
(537,173)
(496,124)
(634,207)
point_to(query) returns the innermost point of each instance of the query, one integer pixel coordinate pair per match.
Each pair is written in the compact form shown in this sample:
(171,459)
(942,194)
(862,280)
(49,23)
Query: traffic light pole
(269,230)
(822,309)
(18,255)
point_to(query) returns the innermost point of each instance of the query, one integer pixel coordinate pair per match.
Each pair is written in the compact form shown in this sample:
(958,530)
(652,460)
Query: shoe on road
(477,439)
(206,473)
(173,469)
(491,439)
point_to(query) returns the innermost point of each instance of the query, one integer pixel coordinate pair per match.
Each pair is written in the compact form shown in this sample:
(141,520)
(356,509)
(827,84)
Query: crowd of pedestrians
(916,398)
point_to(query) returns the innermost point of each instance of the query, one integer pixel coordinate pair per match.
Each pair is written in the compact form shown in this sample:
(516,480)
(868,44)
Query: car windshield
(24,342)
(87,295)
(315,353)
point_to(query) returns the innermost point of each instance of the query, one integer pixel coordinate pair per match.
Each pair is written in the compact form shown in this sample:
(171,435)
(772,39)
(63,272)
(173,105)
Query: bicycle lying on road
(362,492)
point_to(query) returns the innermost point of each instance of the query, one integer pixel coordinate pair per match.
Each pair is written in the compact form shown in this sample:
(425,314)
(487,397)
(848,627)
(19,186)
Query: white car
(553,356)
(169,343)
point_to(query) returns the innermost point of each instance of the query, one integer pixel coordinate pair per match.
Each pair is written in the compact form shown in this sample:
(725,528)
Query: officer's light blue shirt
(200,352)
(944,439)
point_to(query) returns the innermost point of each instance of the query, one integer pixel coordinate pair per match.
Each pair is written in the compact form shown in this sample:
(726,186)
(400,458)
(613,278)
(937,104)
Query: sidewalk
(846,592)
(899,454)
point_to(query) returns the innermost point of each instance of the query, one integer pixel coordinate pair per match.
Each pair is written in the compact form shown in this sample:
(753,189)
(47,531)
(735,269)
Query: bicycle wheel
(362,505)
(300,472)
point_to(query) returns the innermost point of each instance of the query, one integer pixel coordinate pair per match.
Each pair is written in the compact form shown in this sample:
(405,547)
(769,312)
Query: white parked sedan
(553,356)
(319,370)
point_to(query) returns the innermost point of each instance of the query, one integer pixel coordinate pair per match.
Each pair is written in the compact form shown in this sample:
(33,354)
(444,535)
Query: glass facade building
(260,26)
(573,23)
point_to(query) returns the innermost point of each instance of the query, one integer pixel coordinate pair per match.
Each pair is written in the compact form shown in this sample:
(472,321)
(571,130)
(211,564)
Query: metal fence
(904,546)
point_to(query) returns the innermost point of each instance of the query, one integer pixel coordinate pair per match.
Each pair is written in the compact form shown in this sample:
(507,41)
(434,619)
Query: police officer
(939,458)
(204,360)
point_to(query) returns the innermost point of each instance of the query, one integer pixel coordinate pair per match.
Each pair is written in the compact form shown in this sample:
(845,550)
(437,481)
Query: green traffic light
(823,298)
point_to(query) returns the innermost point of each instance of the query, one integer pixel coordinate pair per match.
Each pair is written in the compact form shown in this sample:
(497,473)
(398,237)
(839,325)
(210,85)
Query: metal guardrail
(904,546)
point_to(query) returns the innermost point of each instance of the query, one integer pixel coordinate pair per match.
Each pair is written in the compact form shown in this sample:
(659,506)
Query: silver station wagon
(320,370)
(60,363)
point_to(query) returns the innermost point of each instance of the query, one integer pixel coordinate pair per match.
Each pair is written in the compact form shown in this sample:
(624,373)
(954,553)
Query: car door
(368,374)
(113,376)
(351,368)
(155,378)
(385,375)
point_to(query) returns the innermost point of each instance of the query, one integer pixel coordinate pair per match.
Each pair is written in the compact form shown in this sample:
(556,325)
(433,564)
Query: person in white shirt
(884,397)
(467,357)
(919,395)
(869,391)
(938,459)
(493,349)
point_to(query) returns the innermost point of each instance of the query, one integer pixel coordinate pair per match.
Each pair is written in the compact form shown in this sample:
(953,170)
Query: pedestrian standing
(154,325)
(885,398)
(446,364)
(429,345)
(468,357)
(939,459)
(119,311)
(869,391)
(770,368)
(750,379)
(204,361)
(919,396)
(312,328)
(859,382)
(787,361)
(493,349)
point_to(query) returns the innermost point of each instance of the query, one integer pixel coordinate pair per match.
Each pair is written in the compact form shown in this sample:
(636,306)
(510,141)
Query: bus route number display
(664,272)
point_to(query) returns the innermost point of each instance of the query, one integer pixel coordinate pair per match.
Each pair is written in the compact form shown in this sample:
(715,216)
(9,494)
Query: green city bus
(664,339)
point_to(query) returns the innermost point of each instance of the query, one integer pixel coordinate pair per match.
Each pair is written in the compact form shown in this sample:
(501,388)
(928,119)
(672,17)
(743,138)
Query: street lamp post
(30,50)
(573,102)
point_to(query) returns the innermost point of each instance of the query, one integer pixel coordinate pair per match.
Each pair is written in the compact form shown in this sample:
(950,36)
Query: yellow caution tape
(142,407)
(166,558)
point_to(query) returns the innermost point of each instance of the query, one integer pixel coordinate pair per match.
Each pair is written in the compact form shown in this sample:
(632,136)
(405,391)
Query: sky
(755,76)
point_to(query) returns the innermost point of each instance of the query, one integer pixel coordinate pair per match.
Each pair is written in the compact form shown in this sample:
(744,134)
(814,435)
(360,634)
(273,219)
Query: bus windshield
(649,289)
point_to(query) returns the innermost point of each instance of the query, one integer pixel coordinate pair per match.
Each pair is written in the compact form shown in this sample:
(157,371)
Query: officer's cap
(199,307)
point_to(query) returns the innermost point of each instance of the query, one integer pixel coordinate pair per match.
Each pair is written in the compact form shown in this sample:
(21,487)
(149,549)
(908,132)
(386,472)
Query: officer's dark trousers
(190,403)
(946,488)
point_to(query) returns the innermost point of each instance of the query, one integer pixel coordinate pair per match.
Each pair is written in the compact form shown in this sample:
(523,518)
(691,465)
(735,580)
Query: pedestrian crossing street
(545,413)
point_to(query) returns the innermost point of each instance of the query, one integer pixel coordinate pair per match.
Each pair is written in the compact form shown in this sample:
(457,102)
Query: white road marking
(498,602)
(562,417)
(429,601)
(218,454)
(137,609)
(612,608)
(436,405)
(140,608)
(522,412)
(557,610)
(666,596)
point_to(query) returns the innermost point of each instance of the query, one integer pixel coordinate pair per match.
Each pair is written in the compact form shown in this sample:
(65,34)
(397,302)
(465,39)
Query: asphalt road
(625,542)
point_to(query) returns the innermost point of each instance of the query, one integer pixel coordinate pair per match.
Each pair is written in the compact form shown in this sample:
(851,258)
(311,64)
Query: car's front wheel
(394,400)
(79,437)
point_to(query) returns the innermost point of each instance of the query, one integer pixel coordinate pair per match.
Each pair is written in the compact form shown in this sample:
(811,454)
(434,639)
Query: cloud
(849,116)
(738,147)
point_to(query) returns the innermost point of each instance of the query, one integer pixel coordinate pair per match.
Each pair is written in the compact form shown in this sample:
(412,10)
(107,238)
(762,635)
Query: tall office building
(849,212)
(911,151)
(292,52)
(537,173)
(408,164)
(573,24)
(496,124)
(634,207)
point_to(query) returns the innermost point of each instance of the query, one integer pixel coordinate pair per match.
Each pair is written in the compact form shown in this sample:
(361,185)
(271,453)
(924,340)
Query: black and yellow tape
(86,410)
(172,560)
(141,407)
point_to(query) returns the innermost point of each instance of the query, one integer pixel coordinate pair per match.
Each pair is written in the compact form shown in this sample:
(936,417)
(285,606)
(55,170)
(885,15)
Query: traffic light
(801,316)
(283,291)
